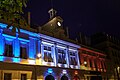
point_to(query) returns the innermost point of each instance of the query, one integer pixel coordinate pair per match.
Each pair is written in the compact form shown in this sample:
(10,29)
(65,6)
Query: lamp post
(85,63)
(38,57)
(117,72)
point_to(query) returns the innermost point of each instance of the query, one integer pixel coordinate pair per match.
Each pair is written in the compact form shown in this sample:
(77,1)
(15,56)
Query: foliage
(10,13)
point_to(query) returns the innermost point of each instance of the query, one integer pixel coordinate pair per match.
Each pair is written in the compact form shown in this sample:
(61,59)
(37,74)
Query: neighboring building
(111,46)
(93,64)
(84,39)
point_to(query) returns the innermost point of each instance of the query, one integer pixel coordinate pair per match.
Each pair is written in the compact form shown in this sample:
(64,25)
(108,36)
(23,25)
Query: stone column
(88,62)
(67,56)
(93,63)
(78,60)
(54,54)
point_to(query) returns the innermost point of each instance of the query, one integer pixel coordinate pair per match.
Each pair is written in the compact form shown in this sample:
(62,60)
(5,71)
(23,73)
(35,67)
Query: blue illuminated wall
(32,48)
(1,43)
(16,47)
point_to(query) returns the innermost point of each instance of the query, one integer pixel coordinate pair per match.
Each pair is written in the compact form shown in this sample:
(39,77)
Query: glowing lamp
(76,72)
(64,72)
(85,62)
(50,70)
(39,55)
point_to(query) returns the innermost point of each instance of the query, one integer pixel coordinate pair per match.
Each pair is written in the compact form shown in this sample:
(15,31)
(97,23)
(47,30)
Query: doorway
(49,77)
(64,77)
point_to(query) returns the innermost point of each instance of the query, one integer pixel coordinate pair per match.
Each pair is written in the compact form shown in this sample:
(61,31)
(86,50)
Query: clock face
(58,23)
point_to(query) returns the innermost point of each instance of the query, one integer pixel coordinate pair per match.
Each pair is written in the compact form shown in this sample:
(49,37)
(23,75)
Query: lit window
(47,54)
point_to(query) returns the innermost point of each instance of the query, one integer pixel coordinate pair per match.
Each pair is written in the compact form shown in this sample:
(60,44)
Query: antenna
(52,12)
(51,3)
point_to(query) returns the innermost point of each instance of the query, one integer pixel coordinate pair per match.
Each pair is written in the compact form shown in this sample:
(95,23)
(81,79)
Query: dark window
(73,60)
(95,62)
(61,56)
(23,52)
(102,64)
(8,50)
(7,76)
(23,76)
(47,54)
(90,63)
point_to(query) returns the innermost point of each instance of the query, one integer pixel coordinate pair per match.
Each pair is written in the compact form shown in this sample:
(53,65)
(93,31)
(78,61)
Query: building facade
(34,56)
(111,46)
(93,64)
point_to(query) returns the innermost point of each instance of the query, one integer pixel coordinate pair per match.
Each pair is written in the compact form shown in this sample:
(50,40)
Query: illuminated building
(111,46)
(93,64)
(30,55)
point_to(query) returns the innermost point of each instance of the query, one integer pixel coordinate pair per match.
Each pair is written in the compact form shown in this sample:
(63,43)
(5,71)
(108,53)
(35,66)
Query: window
(7,76)
(23,76)
(8,50)
(61,56)
(90,62)
(95,63)
(48,54)
(102,64)
(23,52)
(73,60)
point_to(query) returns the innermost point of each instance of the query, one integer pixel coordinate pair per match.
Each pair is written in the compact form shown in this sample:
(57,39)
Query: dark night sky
(86,16)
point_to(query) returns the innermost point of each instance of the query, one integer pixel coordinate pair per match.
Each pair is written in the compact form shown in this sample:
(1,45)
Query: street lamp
(39,62)
(85,62)
(39,55)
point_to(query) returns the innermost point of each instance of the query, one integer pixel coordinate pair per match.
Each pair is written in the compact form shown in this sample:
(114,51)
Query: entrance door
(96,78)
(64,77)
(49,77)
(76,78)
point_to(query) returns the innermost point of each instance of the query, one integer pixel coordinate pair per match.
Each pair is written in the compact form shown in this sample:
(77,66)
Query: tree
(10,13)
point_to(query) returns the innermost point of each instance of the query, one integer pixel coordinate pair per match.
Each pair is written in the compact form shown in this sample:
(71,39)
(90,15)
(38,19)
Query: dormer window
(58,23)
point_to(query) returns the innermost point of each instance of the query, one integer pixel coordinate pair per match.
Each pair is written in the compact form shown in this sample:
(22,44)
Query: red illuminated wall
(95,60)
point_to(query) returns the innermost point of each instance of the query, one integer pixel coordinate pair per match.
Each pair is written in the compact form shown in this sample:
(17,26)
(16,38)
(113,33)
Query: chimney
(67,31)
(29,18)
(76,39)
(52,13)
(80,35)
